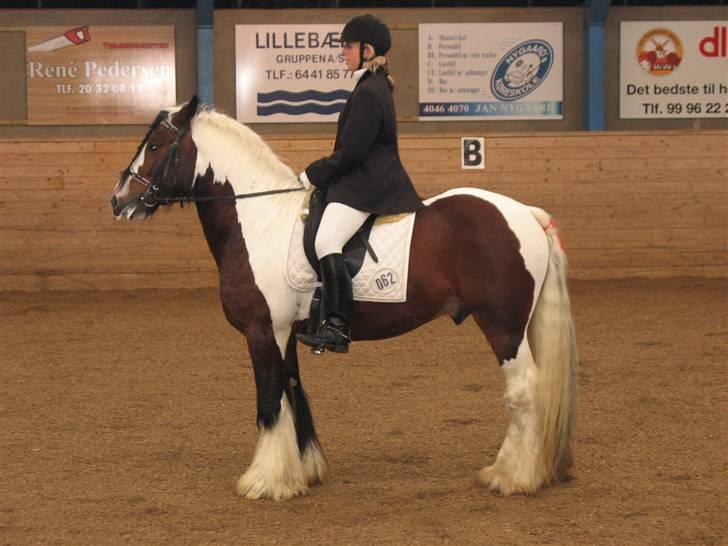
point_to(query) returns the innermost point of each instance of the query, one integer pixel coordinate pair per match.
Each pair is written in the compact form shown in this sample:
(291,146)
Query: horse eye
(154,147)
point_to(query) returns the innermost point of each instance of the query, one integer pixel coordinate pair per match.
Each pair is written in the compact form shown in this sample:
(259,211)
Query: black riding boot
(334,333)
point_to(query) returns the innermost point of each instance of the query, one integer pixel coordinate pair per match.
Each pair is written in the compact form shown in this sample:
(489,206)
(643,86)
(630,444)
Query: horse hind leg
(541,368)
(516,468)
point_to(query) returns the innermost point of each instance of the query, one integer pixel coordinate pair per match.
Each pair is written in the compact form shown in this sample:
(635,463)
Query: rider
(363,176)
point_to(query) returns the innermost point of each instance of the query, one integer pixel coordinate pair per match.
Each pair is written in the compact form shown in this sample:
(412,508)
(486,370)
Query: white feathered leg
(277,471)
(516,467)
(314,464)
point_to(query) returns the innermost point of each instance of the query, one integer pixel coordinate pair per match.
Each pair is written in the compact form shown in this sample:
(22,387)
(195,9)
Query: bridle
(150,197)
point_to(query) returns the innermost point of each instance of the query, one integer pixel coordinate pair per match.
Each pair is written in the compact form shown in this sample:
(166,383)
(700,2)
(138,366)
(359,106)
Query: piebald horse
(473,253)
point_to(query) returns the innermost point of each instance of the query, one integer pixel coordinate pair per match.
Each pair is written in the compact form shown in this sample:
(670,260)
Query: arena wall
(631,204)
(651,202)
(404,23)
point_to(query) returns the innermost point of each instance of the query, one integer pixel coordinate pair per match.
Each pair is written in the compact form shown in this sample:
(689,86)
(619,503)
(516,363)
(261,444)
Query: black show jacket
(365,171)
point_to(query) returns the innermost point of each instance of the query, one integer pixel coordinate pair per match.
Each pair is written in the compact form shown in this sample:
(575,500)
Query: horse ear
(188,111)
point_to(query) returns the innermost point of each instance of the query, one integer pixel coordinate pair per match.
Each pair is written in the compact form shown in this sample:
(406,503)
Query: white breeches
(338,224)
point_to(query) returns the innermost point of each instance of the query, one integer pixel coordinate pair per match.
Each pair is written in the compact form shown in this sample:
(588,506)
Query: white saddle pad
(385,281)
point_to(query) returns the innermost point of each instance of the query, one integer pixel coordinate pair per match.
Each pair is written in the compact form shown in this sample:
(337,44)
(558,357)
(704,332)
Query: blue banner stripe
(310,94)
(491,109)
(299,109)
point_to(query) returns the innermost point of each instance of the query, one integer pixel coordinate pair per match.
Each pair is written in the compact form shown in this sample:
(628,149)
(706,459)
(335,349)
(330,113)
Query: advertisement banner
(673,69)
(99,74)
(290,73)
(494,71)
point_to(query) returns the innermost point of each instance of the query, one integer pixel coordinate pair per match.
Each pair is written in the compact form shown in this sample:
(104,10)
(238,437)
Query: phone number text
(98,88)
(309,74)
(714,108)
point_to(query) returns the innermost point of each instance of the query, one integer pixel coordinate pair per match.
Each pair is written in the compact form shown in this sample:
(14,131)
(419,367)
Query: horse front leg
(277,471)
(312,456)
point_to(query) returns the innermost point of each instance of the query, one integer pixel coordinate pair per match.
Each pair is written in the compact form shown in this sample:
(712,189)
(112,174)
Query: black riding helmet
(368,29)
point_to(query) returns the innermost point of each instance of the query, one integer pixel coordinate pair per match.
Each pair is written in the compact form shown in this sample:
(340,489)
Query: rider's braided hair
(380,64)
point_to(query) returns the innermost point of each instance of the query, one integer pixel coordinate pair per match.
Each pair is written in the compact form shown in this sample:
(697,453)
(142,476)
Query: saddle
(354,250)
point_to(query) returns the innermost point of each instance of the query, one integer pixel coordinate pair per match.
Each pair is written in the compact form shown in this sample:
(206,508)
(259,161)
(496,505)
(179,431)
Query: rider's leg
(338,300)
(338,224)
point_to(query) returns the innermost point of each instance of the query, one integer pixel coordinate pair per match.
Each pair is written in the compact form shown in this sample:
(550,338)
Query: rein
(194,199)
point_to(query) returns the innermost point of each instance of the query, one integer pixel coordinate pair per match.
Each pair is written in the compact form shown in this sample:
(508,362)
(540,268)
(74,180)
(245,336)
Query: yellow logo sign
(659,51)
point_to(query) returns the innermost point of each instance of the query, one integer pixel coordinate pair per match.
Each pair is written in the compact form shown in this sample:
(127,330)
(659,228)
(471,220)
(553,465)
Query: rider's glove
(303,177)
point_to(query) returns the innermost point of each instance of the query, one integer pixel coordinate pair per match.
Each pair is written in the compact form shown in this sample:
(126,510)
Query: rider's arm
(357,136)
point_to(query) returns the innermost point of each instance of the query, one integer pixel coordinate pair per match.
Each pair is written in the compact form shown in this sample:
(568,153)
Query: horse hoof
(491,478)
(314,464)
(496,480)
(255,489)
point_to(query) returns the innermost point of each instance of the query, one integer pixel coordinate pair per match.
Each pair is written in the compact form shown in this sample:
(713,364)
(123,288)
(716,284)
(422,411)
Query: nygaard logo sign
(522,70)
(659,52)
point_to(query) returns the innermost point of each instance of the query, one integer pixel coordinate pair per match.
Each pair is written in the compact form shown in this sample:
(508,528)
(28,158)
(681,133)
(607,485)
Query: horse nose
(114,203)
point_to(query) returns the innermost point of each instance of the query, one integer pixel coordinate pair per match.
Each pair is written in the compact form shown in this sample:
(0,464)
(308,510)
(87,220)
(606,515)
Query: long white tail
(553,344)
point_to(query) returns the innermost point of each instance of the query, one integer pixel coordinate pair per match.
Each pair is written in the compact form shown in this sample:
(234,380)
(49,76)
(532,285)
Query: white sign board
(290,73)
(491,71)
(673,69)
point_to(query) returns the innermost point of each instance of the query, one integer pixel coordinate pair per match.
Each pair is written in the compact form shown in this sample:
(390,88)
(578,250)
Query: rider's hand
(304,180)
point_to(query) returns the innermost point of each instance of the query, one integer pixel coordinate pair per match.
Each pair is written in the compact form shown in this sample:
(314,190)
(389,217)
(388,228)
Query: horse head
(163,167)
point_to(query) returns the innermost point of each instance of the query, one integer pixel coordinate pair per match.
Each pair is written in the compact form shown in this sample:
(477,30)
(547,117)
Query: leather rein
(150,197)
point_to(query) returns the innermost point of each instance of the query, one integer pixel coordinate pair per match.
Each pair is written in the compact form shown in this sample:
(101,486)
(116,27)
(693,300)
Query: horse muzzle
(123,209)
(116,206)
